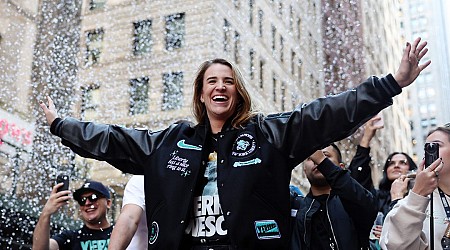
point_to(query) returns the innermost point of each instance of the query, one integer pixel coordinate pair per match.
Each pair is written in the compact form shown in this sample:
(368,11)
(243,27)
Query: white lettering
(201,226)
(209,223)
(206,226)
(197,206)
(207,203)
(219,227)
(94,244)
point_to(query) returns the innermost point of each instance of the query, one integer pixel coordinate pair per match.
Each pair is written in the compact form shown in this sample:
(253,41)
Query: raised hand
(427,178)
(409,68)
(56,200)
(50,112)
(370,128)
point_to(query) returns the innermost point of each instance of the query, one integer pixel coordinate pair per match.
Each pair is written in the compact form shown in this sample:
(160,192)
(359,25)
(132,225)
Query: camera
(64,179)
(431,153)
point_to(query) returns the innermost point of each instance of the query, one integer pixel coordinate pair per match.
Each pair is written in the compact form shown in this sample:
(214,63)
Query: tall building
(429,101)
(359,41)
(17,26)
(383,49)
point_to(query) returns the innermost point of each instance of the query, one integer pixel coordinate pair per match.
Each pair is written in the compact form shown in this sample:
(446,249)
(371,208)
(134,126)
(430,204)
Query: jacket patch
(244,145)
(177,163)
(246,163)
(267,229)
(182,144)
(153,233)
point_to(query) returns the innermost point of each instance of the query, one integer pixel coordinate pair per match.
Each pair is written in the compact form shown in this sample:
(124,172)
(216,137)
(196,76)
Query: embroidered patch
(267,229)
(182,144)
(153,233)
(246,163)
(244,145)
(178,163)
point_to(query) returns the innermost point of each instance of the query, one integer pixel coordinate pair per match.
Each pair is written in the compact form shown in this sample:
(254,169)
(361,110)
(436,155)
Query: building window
(260,22)
(237,47)
(274,32)
(293,55)
(96,4)
(142,37)
(261,74)
(252,64)
(300,71)
(280,8)
(283,96)
(291,18)
(251,4)
(94,40)
(237,3)
(173,91)
(175,31)
(139,96)
(226,35)
(281,49)
(274,89)
(90,100)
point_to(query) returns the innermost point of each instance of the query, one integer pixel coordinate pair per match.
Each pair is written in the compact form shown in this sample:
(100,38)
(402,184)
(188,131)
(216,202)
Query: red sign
(14,132)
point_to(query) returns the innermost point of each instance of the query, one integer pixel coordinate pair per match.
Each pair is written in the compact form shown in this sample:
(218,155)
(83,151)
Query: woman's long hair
(385,183)
(244,107)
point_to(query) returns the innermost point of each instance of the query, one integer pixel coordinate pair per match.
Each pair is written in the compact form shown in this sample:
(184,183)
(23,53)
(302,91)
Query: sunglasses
(92,198)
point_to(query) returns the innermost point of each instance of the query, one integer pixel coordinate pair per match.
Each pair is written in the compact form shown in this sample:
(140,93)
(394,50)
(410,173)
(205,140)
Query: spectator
(130,231)
(390,190)
(407,225)
(225,181)
(94,200)
(338,212)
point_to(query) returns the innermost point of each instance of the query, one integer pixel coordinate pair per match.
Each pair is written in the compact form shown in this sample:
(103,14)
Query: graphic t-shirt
(84,239)
(207,223)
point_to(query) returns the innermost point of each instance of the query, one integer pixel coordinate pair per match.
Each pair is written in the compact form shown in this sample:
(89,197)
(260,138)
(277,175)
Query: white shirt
(134,194)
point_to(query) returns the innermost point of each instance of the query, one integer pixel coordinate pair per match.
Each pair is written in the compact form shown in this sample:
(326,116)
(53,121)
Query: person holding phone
(94,200)
(407,225)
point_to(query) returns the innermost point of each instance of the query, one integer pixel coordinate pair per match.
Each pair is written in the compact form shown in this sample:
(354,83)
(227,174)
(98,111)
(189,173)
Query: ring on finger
(436,173)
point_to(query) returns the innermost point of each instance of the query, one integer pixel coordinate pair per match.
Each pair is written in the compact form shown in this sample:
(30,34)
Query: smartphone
(64,179)
(431,153)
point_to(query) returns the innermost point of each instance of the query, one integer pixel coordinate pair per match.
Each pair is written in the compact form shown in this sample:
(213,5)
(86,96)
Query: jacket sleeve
(314,125)
(124,148)
(357,201)
(360,168)
(402,228)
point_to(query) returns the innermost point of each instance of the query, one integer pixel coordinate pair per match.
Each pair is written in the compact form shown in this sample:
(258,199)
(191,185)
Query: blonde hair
(244,108)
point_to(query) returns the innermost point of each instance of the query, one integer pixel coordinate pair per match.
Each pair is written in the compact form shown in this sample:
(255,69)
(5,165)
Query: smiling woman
(224,182)
(219,95)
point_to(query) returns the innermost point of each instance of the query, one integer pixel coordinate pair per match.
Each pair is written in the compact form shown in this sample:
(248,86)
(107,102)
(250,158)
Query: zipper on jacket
(304,220)
(331,226)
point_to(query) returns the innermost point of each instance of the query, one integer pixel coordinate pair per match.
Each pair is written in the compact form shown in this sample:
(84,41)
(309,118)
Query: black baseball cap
(94,186)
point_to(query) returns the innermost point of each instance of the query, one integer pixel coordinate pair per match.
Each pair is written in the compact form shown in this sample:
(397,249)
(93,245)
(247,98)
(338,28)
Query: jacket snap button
(182,221)
(228,213)
(221,161)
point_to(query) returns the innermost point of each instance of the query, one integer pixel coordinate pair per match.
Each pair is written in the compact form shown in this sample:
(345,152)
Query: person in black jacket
(390,190)
(224,182)
(338,212)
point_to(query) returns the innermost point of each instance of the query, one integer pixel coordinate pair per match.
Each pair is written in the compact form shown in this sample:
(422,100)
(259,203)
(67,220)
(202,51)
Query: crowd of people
(223,182)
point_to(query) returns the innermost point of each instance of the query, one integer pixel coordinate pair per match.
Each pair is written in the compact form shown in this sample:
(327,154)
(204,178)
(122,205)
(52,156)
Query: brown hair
(445,129)
(244,107)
